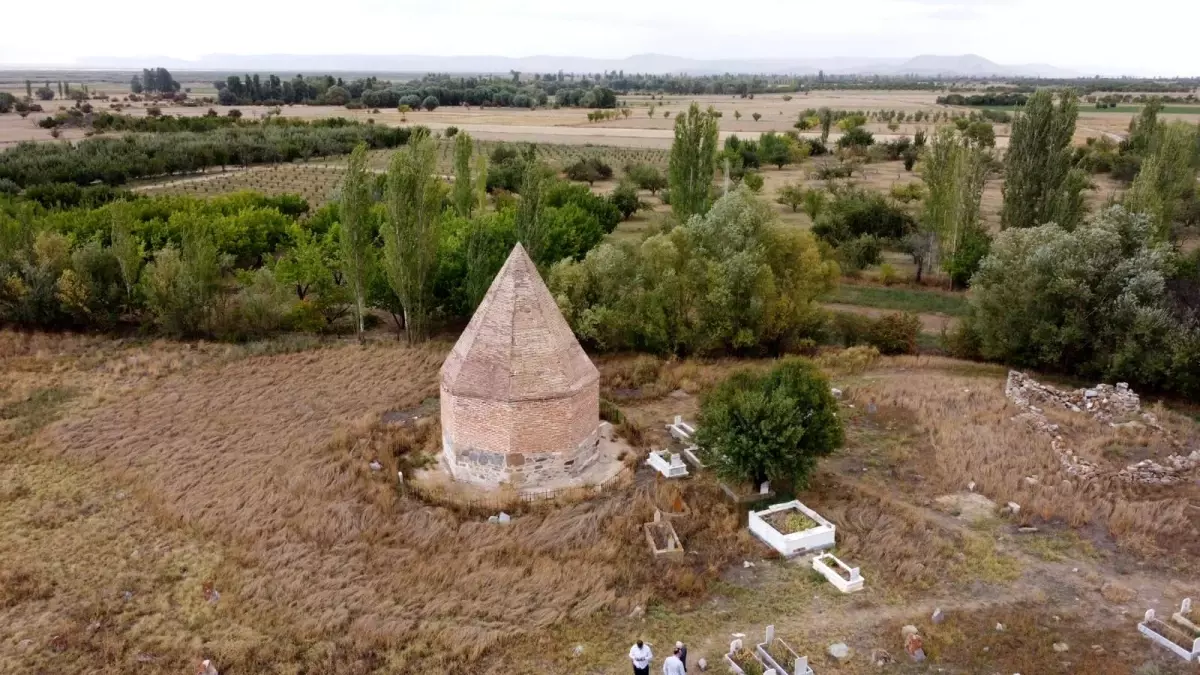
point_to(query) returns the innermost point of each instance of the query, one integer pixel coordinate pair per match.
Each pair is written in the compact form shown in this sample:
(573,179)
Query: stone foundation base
(520,470)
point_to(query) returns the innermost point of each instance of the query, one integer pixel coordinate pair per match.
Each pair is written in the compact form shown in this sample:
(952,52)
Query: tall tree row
(693,162)
(412,230)
(1041,184)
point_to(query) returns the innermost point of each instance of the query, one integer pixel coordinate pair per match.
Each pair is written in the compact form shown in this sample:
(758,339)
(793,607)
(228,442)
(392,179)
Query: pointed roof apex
(518,346)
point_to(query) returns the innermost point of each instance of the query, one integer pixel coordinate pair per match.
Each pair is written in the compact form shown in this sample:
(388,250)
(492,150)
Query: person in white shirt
(673,666)
(641,656)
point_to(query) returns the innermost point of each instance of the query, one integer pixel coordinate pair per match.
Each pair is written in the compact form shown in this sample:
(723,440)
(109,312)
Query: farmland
(219,390)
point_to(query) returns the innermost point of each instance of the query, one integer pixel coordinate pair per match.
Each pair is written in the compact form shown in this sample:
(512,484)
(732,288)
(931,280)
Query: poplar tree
(1168,174)
(412,231)
(356,232)
(693,162)
(464,189)
(954,171)
(1041,185)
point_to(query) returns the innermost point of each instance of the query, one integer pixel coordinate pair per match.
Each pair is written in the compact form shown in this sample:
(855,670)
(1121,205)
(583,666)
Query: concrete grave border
(832,573)
(673,543)
(668,463)
(1157,630)
(799,663)
(815,538)
(735,668)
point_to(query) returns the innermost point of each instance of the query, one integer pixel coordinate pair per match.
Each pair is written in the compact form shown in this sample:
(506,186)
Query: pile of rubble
(1105,403)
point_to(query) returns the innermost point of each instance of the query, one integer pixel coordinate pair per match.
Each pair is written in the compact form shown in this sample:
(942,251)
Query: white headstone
(735,646)
(764,488)
(504,517)
(770,634)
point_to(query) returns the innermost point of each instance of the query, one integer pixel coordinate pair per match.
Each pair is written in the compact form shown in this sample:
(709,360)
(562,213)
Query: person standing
(640,655)
(673,665)
(682,654)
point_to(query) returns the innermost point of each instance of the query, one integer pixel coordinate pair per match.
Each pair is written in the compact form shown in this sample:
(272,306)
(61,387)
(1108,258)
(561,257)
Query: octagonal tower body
(520,400)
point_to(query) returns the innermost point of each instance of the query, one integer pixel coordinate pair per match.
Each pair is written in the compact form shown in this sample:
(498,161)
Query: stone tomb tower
(520,400)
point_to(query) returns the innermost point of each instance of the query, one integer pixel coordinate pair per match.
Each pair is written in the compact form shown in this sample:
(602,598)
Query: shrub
(854,213)
(754,181)
(450,131)
(887,274)
(894,333)
(589,170)
(860,253)
(770,426)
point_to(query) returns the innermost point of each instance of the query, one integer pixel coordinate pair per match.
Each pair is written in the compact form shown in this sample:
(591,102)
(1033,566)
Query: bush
(772,426)
(450,132)
(754,181)
(860,253)
(894,333)
(855,213)
(589,170)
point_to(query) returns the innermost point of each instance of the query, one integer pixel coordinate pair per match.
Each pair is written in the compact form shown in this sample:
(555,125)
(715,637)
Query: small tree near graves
(770,426)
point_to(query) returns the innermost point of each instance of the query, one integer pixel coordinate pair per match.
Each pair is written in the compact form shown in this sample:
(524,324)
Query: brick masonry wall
(521,442)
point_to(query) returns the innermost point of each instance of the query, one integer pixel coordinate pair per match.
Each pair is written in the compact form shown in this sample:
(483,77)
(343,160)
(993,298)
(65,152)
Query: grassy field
(900,299)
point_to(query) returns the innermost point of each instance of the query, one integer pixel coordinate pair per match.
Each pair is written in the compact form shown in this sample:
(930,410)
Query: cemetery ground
(167,501)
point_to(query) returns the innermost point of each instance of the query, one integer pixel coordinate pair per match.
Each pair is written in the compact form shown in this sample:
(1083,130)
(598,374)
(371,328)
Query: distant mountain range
(966,65)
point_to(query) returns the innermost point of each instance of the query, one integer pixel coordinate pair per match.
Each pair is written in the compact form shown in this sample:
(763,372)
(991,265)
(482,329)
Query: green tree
(954,171)
(464,194)
(181,284)
(1040,185)
(1143,129)
(814,203)
(791,195)
(825,117)
(357,232)
(772,426)
(531,229)
(693,162)
(1167,178)
(1093,302)
(412,231)
(129,250)
(753,180)
(646,177)
(625,198)
(430,103)
(775,149)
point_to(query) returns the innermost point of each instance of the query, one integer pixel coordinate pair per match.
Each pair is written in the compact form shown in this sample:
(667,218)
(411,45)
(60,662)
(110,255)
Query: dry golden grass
(175,468)
(250,476)
(972,437)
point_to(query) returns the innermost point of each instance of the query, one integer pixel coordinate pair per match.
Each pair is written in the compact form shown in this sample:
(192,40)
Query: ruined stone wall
(1107,404)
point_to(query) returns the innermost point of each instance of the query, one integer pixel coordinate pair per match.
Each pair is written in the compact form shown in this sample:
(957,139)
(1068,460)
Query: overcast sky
(1146,36)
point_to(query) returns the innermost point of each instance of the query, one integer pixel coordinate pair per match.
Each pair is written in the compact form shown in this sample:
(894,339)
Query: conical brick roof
(518,346)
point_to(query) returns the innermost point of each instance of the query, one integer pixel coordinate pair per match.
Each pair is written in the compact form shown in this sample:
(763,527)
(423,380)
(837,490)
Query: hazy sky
(1158,36)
